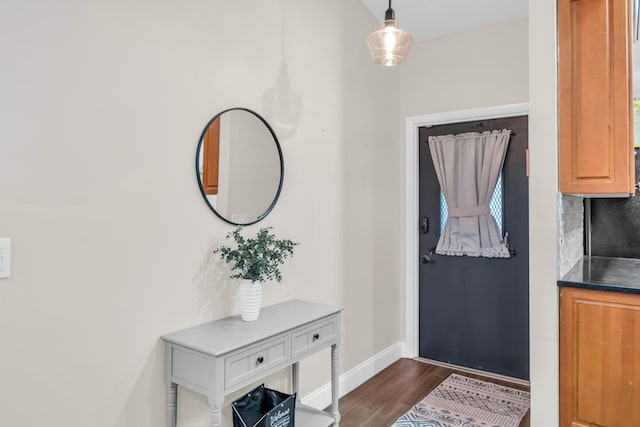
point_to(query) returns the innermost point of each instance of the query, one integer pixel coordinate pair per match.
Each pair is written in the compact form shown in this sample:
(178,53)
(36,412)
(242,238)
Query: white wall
(102,106)
(471,69)
(543,213)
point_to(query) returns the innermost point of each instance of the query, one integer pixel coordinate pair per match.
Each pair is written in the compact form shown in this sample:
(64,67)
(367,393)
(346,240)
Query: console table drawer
(313,336)
(243,366)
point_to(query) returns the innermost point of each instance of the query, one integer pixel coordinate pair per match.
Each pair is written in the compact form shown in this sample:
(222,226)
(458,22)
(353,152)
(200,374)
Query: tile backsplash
(615,224)
(570,232)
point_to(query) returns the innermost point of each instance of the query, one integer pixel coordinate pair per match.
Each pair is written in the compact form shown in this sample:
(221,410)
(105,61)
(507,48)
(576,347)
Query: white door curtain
(468,166)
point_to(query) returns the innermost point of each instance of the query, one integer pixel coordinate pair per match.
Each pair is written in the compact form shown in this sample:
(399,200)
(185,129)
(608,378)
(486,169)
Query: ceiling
(431,18)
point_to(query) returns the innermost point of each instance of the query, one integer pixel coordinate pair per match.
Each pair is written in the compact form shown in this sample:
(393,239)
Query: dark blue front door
(474,312)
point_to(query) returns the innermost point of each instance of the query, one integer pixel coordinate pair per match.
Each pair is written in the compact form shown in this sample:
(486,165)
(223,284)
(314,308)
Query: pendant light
(389,45)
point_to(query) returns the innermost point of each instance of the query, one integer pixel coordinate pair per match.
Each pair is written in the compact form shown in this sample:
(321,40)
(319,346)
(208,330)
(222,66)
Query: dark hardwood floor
(385,397)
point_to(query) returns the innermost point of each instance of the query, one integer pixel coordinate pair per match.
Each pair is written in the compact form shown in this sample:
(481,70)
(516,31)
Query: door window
(495,207)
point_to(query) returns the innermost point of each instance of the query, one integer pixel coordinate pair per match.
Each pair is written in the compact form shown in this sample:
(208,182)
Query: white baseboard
(354,377)
(408,350)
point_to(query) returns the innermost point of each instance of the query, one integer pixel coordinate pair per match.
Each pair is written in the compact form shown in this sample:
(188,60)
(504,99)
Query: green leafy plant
(256,259)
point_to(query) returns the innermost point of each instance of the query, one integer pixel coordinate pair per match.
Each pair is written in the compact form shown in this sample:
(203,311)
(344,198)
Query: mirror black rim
(279,150)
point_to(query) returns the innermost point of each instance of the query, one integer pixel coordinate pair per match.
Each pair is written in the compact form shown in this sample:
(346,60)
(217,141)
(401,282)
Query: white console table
(219,357)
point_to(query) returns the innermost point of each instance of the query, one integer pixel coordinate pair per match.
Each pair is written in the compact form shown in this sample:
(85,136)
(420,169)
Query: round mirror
(239,166)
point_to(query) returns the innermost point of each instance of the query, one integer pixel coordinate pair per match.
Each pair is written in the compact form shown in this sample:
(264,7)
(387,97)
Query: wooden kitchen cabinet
(599,359)
(595,97)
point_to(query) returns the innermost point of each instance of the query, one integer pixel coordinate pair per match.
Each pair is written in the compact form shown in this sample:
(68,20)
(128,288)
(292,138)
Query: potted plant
(254,261)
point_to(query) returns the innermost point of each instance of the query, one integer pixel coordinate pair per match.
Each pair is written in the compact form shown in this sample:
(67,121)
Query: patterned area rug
(465,402)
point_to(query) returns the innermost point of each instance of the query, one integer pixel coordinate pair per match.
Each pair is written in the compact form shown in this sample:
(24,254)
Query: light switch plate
(5,258)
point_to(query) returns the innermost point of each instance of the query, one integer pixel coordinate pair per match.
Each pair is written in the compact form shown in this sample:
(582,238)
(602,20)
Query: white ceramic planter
(249,297)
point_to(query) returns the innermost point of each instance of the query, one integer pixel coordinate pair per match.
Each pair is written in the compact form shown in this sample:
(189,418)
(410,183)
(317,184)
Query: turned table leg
(335,373)
(215,411)
(172,404)
(216,415)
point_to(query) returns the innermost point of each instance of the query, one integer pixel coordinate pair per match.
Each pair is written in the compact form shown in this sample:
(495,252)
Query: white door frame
(412,199)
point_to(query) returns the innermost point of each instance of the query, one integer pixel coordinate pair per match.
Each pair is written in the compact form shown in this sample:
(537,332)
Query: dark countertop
(604,274)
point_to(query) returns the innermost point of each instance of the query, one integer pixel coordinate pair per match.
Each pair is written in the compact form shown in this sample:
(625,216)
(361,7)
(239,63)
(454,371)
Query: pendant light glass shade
(389,45)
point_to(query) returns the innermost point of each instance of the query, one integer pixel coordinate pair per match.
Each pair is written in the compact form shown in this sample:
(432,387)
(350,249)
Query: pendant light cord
(389,14)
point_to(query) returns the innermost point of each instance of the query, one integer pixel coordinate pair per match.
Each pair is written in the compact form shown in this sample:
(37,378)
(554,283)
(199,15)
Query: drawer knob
(260,360)
(316,336)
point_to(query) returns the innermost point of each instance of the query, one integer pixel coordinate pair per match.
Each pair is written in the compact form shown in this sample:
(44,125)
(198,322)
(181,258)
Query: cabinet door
(599,359)
(595,97)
